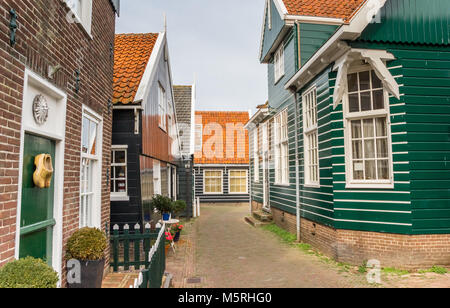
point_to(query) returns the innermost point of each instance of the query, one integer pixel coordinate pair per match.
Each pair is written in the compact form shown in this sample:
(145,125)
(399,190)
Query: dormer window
(279,63)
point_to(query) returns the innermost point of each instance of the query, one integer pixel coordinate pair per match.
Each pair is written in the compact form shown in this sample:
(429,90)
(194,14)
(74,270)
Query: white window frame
(157,186)
(311,138)
(82,13)
(246,182)
(123,196)
(204,182)
(90,216)
(162,107)
(256,156)
(278,63)
(352,116)
(281,139)
(198,134)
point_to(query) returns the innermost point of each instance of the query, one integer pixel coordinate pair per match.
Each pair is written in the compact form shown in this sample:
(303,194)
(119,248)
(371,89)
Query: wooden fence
(146,250)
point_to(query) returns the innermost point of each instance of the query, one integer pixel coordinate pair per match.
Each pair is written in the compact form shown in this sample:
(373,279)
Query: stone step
(255,222)
(263,216)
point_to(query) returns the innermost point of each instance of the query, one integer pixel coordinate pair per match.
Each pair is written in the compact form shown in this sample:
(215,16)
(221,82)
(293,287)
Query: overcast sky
(216,40)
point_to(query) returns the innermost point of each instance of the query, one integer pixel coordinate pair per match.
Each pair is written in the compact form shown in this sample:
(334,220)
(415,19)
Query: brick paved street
(231,254)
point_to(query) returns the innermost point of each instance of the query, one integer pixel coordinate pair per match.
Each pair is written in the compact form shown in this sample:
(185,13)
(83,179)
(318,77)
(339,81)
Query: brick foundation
(356,247)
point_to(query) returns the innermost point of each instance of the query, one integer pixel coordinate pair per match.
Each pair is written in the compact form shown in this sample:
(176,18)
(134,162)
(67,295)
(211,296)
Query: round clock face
(40,109)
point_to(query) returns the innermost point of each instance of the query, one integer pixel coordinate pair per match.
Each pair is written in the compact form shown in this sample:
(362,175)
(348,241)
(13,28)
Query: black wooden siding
(128,212)
(219,198)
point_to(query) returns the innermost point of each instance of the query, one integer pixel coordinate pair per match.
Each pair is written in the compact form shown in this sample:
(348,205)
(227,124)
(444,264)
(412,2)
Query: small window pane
(358,170)
(370,170)
(120,157)
(120,172)
(369,149)
(357,150)
(383,170)
(368,128)
(366,103)
(354,102)
(378,100)
(381,127)
(352,82)
(382,148)
(356,129)
(364,81)
(376,82)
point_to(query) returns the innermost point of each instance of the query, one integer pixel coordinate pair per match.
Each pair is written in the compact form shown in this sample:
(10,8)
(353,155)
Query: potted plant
(28,273)
(88,246)
(163,205)
(179,206)
(176,231)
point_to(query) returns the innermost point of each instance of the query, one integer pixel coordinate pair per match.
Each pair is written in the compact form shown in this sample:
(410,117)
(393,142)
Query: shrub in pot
(163,205)
(28,273)
(179,207)
(87,246)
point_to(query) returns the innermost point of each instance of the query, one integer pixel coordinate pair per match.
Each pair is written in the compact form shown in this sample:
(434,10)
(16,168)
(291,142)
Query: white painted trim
(314,20)
(57,242)
(150,71)
(335,46)
(97,178)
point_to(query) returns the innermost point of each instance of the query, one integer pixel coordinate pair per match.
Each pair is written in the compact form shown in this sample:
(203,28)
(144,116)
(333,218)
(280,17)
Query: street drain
(195,280)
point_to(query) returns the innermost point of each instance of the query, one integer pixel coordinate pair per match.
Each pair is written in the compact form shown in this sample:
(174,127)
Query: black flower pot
(177,237)
(91,274)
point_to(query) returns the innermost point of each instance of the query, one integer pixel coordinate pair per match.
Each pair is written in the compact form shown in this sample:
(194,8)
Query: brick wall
(357,247)
(44,38)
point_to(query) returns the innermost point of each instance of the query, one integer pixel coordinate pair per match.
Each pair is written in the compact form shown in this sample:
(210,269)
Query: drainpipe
(297,180)
(297,167)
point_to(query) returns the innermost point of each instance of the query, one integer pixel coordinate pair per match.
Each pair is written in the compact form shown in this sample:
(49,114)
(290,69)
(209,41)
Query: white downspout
(297,181)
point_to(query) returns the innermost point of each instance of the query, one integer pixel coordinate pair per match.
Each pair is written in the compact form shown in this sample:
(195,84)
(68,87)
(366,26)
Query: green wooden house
(352,151)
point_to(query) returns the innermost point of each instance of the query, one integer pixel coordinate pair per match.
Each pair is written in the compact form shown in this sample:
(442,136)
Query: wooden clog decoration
(42,177)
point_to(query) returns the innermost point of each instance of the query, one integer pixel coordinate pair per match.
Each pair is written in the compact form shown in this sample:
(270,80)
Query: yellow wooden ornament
(42,177)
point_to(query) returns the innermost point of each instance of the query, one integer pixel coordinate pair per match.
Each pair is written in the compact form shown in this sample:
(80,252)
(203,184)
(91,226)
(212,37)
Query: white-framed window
(281,148)
(82,11)
(198,137)
(238,181)
(367,130)
(157,190)
(265,137)
(311,138)
(91,166)
(119,171)
(162,108)
(212,182)
(279,63)
(256,155)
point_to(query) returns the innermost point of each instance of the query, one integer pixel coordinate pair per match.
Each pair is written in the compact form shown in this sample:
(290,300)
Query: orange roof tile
(344,9)
(132,53)
(222,144)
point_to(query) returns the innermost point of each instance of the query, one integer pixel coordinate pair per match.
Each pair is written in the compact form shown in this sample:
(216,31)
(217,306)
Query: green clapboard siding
(270,35)
(317,203)
(412,21)
(277,94)
(312,37)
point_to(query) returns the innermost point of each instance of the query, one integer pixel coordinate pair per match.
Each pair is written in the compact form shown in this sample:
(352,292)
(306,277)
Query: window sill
(282,184)
(120,198)
(369,185)
(278,80)
(312,185)
(212,194)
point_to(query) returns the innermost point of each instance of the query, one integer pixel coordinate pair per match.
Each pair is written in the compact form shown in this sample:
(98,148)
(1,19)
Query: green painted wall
(412,21)
(277,94)
(312,37)
(270,35)
(317,203)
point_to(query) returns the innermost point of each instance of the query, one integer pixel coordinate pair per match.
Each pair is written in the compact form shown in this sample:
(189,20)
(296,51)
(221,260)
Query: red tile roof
(132,53)
(217,150)
(344,9)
